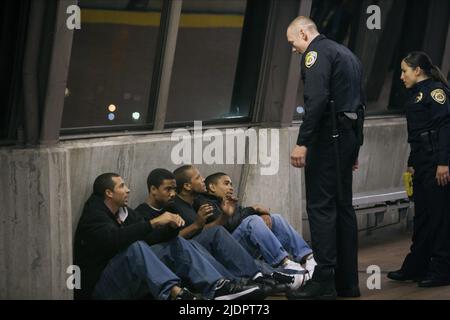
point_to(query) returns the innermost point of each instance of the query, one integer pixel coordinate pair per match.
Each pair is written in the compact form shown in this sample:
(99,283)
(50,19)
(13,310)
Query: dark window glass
(13,22)
(405,26)
(112,63)
(206,62)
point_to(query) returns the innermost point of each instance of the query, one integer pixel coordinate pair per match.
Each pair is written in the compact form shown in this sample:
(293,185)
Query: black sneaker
(292,281)
(227,290)
(185,294)
(273,285)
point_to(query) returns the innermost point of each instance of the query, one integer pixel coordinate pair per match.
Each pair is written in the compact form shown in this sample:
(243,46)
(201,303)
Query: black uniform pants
(430,249)
(333,225)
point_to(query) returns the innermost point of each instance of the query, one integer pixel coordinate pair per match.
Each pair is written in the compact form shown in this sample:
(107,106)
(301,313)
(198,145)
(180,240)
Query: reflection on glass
(112,60)
(205,63)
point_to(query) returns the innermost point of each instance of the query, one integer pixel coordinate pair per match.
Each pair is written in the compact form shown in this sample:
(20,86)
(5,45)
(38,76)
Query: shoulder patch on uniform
(418,97)
(310,59)
(439,96)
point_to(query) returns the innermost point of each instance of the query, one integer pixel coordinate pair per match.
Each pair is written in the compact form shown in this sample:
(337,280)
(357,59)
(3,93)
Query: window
(13,17)
(206,60)
(117,61)
(111,69)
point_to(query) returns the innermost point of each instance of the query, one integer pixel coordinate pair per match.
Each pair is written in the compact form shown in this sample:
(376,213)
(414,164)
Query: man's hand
(267,220)
(442,175)
(167,218)
(355,165)
(298,156)
(261,210)
(228,206)
(203,213)
(410,170)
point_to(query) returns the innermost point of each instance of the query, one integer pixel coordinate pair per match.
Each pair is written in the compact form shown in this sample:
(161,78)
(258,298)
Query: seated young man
(212,235)
(112,249)
(161,187)
(260,232)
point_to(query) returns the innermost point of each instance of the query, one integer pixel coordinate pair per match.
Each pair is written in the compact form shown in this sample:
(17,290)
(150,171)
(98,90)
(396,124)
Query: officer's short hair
(213,179)
(182,176)
(157,176)
(104,182)
(303,21)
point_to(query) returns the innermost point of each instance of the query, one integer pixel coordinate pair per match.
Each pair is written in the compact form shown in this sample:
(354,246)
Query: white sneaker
(310,265)
(292,265)
(298,280)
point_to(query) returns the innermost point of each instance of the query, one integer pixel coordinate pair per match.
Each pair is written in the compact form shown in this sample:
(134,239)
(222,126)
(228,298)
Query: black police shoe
(352,292)
(399,275)
(185,294)
(432,280)
(313,290)
(320,287)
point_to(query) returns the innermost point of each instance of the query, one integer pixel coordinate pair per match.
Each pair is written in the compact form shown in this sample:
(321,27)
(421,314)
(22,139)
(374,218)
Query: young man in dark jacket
(112,248)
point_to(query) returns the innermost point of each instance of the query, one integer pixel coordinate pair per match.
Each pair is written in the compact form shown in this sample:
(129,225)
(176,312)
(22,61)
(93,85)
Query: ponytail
(437,75)
(422,60)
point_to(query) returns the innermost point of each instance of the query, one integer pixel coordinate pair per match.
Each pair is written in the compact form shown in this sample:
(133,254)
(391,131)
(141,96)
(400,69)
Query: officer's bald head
(301,31)
(303,23)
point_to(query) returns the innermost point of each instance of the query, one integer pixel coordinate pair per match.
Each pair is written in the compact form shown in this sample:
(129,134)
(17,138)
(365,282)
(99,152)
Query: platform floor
(388,252)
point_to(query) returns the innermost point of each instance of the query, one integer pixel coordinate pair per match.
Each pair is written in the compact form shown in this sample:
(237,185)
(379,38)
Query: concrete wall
(44,191)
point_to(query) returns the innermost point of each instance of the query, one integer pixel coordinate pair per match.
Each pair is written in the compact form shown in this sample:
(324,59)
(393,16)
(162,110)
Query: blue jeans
(216,264)
(135,273)
(195,269)
(143,269)
(273,244)
(226,250)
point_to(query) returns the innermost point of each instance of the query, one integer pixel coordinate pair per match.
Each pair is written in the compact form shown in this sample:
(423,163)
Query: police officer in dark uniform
(327,146)
(428,119)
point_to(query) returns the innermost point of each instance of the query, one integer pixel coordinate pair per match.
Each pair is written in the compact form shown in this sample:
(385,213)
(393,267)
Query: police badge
(310,59)
(439,96)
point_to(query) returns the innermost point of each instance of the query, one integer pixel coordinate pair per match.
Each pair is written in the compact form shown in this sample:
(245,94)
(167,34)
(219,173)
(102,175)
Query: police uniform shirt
(329,71)
(428,108)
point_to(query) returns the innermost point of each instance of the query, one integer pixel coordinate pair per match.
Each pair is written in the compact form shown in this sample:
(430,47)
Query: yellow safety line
(187,20)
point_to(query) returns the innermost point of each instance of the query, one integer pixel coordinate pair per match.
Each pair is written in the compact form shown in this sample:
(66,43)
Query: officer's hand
(298,156)
(410,170)
(442,175)
(355,165)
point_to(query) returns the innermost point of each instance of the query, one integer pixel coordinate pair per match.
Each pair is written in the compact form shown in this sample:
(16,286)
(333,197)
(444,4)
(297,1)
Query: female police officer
(428,120)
